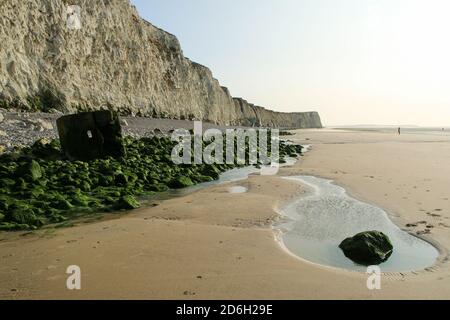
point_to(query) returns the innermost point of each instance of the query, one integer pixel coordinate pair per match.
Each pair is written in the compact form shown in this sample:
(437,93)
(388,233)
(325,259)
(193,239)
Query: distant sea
(405,130)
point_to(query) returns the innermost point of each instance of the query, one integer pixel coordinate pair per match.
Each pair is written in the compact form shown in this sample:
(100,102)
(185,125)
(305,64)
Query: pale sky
(354,61)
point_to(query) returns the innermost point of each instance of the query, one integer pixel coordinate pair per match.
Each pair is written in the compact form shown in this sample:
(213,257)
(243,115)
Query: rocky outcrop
(116,60)
(368,248)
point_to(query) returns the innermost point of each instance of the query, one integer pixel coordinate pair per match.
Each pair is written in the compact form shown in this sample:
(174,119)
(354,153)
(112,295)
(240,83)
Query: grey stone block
(91,135)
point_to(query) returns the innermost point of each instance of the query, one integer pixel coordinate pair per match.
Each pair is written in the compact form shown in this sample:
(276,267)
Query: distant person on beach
(399,131)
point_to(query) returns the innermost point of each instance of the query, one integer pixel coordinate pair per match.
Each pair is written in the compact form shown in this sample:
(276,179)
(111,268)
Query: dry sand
(216,245)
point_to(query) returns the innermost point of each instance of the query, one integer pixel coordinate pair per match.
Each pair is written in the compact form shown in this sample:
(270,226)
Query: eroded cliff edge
(116,60)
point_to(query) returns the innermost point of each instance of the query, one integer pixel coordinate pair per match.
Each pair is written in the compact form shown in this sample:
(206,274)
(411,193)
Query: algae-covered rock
(24,215)
(36,192)
(181,182)
(7,182)
(11,226)
(120,179)
(128,203)
(201,178)
(47,149)
(80,200)
(60,202)
(38,185)
(31,170)
(368,248)
(211,171)
(157,187)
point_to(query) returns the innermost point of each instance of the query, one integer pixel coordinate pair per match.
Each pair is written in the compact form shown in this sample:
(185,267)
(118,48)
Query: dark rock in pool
(368,248)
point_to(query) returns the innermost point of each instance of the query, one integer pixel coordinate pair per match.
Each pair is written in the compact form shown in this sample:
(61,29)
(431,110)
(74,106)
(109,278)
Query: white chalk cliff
(116,59)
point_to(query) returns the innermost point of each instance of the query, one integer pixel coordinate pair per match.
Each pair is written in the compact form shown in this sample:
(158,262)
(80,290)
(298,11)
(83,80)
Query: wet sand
(214,244)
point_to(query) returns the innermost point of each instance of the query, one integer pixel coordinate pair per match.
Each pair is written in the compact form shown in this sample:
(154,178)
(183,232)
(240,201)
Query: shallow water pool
(233,175)
(237,189)
(314,225)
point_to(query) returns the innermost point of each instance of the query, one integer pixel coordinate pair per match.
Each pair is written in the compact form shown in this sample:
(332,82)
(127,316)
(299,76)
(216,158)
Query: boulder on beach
(368,248)
(31,170)
(91,135)
(181,182)
(128,203)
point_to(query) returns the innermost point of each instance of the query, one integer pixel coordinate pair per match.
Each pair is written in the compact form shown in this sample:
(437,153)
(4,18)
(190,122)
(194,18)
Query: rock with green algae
(181,182)
(52,189)
(128,203)
(31,170)
(47,149)
(24,215)
(368,248)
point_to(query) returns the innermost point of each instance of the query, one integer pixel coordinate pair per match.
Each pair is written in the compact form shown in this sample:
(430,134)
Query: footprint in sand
(423,232)
(434,215)
(411,225)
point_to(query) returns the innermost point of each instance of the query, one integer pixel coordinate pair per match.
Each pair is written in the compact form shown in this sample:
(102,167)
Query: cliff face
(116,60)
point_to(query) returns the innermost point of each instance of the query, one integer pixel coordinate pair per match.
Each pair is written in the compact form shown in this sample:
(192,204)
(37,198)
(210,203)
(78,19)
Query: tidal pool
(237,189)
(233,175)
(313,226)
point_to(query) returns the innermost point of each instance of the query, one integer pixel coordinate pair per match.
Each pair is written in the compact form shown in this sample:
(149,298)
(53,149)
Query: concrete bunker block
(91,135)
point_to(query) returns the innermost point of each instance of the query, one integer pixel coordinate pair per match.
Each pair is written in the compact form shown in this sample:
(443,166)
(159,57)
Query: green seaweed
(127,203)
(181,182)
(39,186)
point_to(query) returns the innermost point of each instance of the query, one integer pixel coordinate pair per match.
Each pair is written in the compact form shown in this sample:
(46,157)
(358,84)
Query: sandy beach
(213,244)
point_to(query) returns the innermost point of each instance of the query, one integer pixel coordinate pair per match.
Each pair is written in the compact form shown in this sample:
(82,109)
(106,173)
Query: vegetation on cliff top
(38,186)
